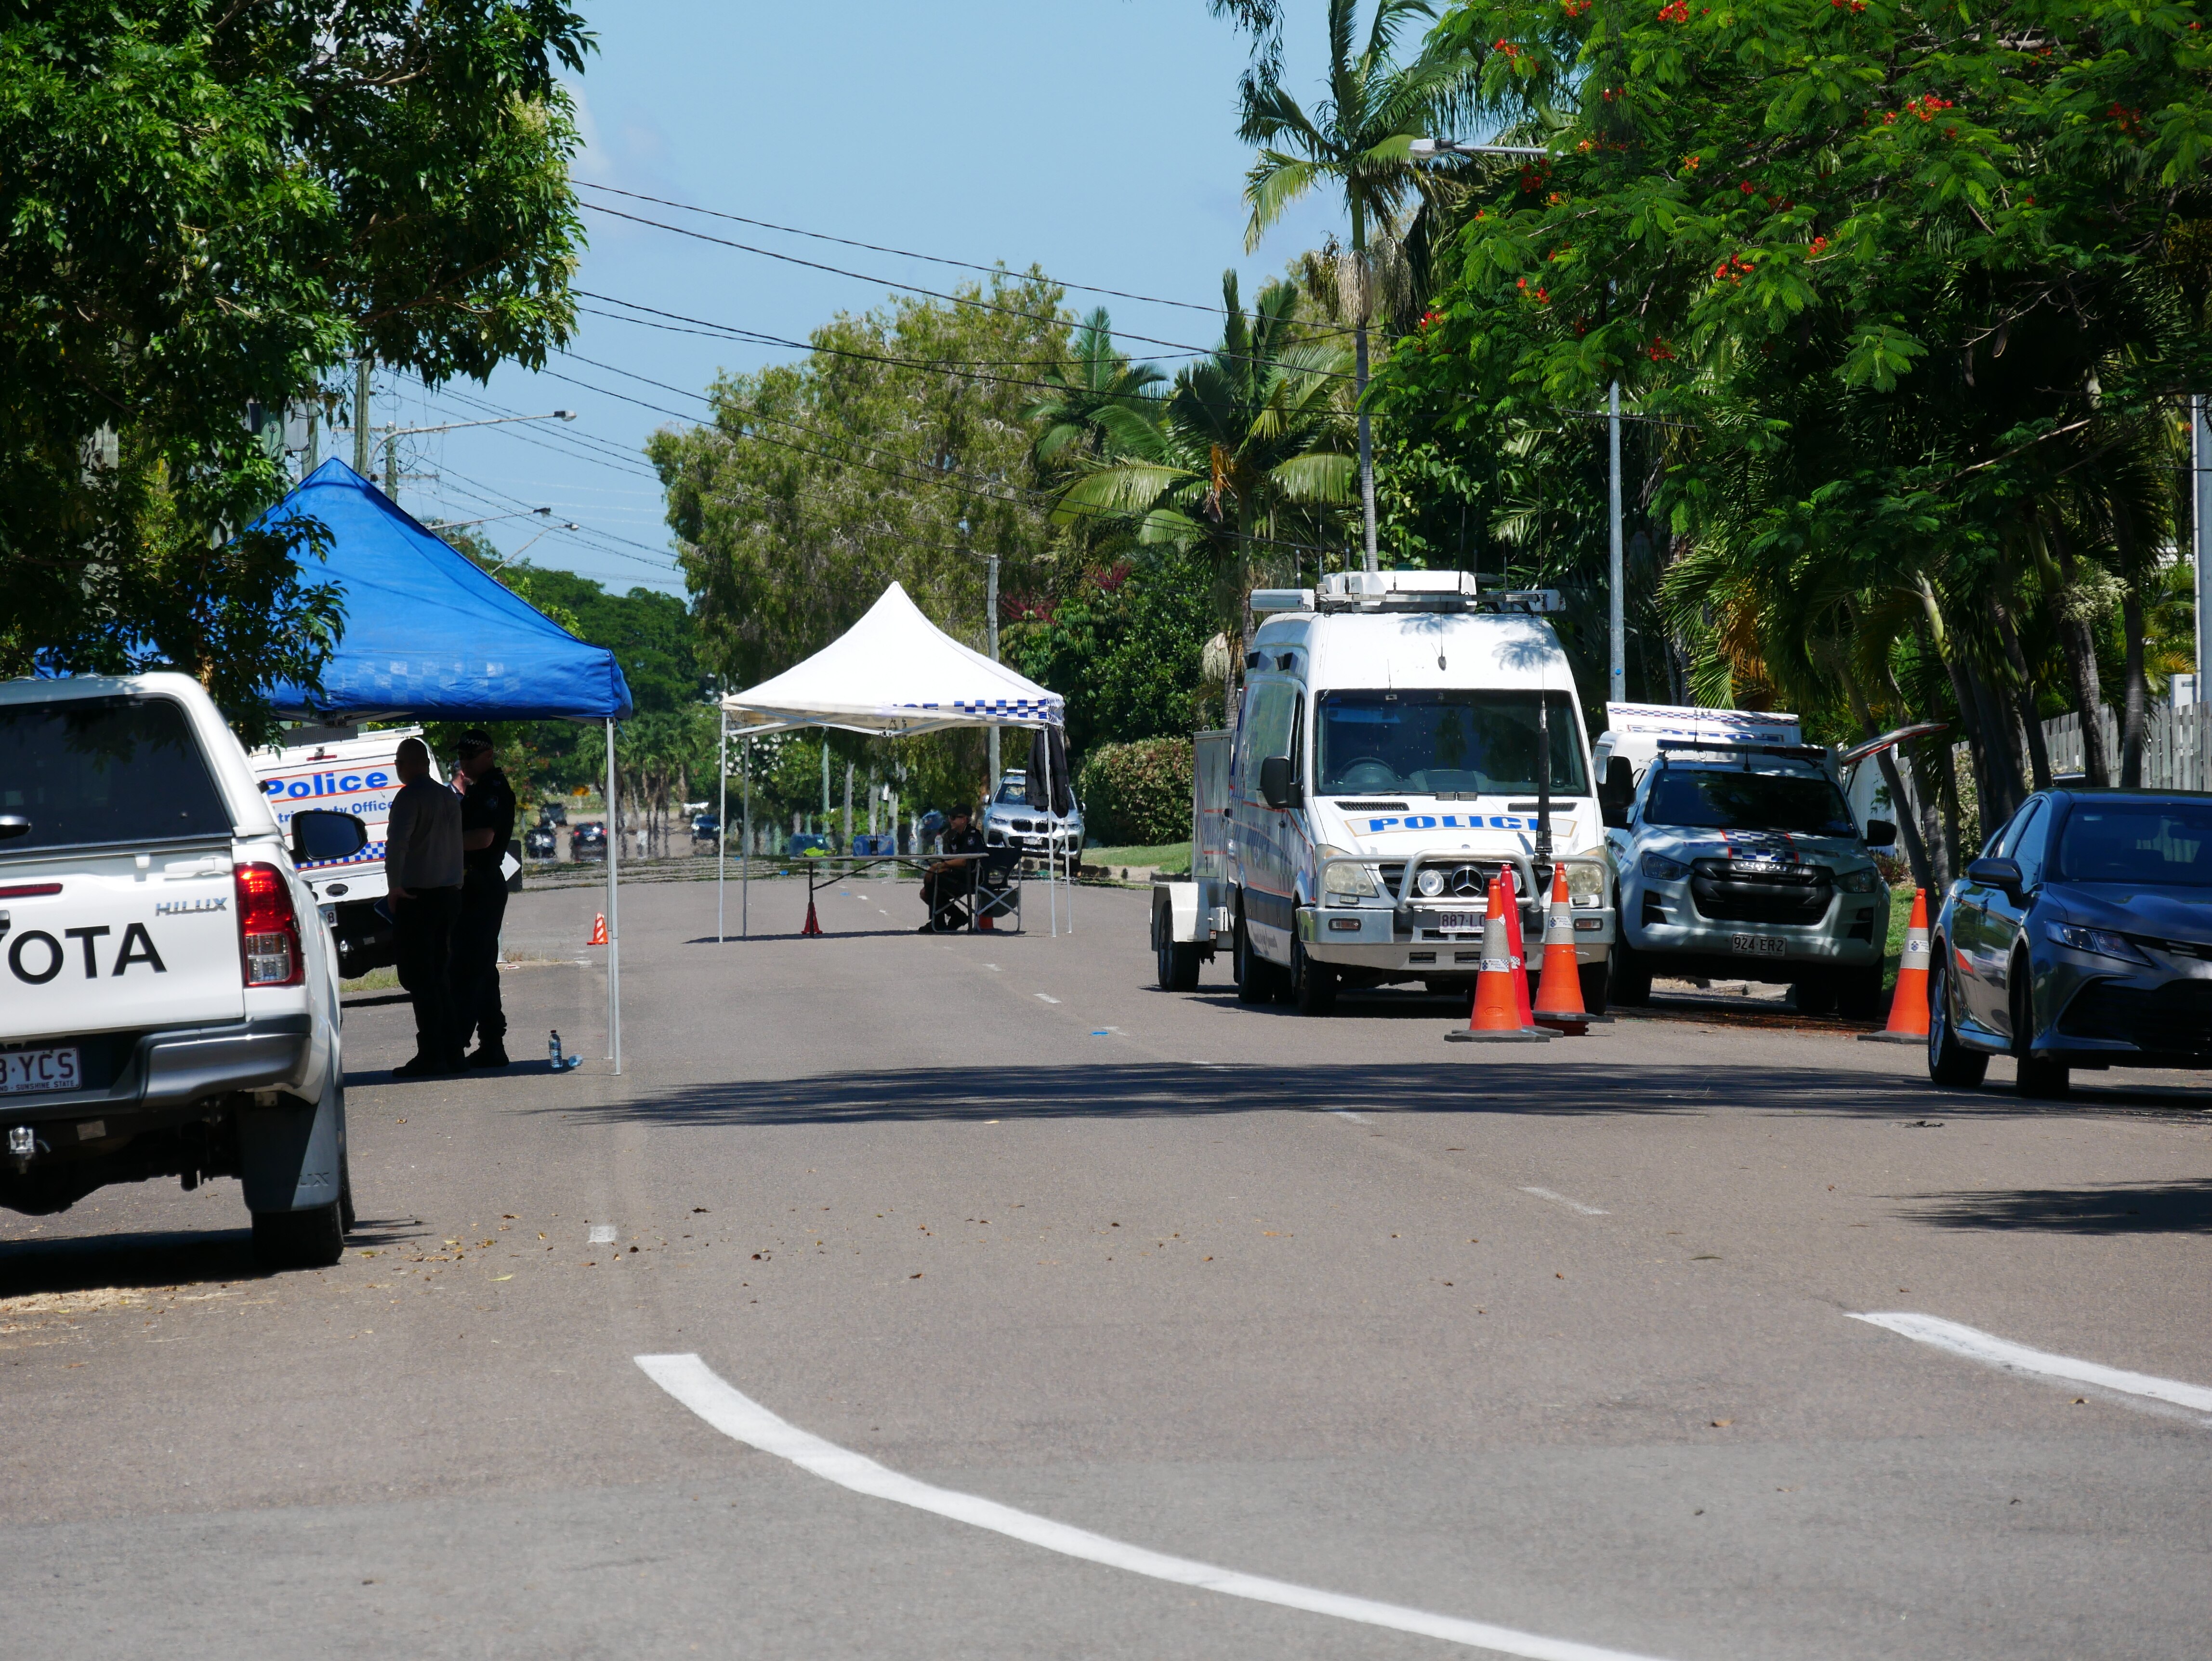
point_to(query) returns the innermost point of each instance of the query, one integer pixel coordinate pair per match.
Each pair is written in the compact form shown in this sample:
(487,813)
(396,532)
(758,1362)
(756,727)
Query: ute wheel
(1858,993)
(1596,985)
(1814,997)
(1950,1063)
(1629,976)
(314,1238)
(1178,959)
(1313,985)
(2038,1078)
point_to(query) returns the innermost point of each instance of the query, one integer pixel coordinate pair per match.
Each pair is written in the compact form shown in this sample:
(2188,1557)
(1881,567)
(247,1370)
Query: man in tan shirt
(423,865)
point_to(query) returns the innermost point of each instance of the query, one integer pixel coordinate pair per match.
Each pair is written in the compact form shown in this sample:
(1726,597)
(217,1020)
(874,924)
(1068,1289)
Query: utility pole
(361,418)
(2200,459)
(991,605)
(1617,683)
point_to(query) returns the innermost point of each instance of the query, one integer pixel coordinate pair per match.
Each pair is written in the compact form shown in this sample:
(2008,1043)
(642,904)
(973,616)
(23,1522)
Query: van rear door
(118,904)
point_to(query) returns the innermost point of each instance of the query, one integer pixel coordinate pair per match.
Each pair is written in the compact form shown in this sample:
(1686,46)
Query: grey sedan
(2082,937)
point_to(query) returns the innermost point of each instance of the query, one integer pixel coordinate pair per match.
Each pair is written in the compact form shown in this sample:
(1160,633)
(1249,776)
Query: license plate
(26,1070)
(1755,945)
(1447,920)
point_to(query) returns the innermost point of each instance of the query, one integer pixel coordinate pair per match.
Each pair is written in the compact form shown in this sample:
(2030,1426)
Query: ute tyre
(1178,967)
(1950,1063)
(314,1238)
(1596,979)
(1814,997)
(1858,993)
(1313,985)
(1629,976)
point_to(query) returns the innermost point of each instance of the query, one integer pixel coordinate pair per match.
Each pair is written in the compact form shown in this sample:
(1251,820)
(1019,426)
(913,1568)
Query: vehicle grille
(1729,891)
(2175,1018)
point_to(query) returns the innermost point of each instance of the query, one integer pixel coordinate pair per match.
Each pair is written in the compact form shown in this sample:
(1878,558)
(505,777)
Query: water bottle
(560,1064)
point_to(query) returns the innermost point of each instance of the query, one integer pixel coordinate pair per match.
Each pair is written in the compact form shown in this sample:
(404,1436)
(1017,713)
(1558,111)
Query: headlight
(1860,882)
(1660,869)
(2101,941)
(1586,884)
(1344,879)
(1431,883)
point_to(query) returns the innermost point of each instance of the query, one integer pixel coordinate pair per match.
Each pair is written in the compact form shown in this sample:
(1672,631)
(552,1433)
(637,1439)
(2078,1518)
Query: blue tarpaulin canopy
(427,633)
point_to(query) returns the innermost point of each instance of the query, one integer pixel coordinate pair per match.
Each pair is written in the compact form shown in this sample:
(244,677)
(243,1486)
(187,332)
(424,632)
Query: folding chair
(998,892)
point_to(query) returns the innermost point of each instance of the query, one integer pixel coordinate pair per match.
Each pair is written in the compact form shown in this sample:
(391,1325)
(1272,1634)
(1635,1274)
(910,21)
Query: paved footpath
(1007,1305)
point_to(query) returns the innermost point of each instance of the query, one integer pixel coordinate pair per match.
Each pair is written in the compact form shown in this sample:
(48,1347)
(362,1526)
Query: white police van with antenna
(1734,853)
(1403,737)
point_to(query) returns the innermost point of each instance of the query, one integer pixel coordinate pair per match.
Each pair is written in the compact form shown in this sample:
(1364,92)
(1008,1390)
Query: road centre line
(1048,997)
(1561,1199)
(2008,1357)
(692,1383)
(601,1234)
(1347,1113)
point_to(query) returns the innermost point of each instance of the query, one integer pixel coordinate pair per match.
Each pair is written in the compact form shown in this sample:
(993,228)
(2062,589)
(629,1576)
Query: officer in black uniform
(945,880)
(487,823)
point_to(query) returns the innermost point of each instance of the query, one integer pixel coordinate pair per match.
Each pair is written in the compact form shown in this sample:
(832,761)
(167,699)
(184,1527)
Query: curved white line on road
(697,1386)
(1561,1199)
(1992,1351)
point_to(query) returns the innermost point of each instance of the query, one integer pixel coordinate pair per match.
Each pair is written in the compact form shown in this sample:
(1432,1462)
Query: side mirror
(2001,875)
(1881,833)
(319,836)
(13,825)
(1617,794)
(1277,787)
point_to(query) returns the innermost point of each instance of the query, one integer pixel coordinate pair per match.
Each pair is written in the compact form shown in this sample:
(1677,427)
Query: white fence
(2177,745)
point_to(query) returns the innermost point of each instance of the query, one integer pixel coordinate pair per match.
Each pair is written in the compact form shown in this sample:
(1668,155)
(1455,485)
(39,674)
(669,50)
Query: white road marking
(1048,997)
(1347,1113)
(2002,1354)
(692,1382)
(602,1234)
(1561,1199)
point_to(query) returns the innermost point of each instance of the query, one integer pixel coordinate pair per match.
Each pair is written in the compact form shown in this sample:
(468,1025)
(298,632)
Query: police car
(168,987)
(1734,853)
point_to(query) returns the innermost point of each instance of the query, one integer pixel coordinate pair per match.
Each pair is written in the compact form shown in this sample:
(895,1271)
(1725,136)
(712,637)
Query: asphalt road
(1556,1339)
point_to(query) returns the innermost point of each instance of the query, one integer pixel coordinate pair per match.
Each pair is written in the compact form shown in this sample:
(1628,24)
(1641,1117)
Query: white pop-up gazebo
(891,674)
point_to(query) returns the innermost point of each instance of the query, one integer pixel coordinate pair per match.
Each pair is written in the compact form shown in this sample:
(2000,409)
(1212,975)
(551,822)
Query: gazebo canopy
(891,673)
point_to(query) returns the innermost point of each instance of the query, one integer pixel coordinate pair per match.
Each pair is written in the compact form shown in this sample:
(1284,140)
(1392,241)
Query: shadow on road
(152,1258)
(2184,1208)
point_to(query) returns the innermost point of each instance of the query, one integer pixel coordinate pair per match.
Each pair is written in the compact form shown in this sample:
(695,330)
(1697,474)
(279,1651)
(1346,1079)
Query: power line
(903,253)
(933,294)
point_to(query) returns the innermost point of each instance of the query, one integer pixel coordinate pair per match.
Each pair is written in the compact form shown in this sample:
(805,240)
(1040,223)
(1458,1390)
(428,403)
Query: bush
(1137,794)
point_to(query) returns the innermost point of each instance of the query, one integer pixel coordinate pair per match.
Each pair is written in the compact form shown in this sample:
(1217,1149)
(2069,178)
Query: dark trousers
(423,931)
(940,888)
(475,961)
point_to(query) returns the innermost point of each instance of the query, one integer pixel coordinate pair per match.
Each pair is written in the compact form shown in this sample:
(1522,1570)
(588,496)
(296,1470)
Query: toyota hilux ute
(1734,853)
(168,989)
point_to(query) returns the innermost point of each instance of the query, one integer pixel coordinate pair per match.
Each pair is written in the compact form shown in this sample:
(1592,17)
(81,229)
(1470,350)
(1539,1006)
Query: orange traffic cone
(598,930)
(1908,1010)
(1559,994)
(813,929)
(1516,952)
(1497,1017)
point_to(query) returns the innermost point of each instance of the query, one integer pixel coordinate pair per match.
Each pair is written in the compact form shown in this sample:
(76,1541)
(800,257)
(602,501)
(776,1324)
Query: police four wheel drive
(1734,853)
(1403,739)
(169,987)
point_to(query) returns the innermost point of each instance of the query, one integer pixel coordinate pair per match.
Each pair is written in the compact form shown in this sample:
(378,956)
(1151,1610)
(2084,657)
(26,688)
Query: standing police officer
(487,823)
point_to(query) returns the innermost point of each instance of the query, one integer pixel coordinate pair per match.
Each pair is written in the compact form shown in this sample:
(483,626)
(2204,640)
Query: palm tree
(1357,141)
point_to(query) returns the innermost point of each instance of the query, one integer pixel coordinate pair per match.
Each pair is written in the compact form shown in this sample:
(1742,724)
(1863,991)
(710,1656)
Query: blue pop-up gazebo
(431,635)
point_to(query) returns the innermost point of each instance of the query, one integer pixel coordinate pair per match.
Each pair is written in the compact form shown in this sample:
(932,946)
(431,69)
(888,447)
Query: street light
(519,552)
(368,452)
(1425,149)
(493,519)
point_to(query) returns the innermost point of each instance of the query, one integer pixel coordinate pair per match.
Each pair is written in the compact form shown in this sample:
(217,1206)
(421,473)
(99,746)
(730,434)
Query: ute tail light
(268,929)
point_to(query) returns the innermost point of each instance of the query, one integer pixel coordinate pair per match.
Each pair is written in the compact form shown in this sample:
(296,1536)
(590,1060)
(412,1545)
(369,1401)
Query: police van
(168,989)
(1404,739)
(339,770)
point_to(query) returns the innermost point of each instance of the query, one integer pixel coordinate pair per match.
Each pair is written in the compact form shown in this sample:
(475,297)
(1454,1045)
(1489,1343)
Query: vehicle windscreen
(2138,841)
(1011,794)
(1450,742)
(90,771)
(1801,804)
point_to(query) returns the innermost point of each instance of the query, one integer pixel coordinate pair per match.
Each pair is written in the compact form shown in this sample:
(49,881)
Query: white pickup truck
(168,989)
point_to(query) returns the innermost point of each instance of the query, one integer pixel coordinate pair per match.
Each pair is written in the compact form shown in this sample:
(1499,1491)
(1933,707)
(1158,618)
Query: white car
(168,987)
(1010,822)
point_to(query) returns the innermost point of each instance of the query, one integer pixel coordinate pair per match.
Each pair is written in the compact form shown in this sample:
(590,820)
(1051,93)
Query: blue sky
(1094,137)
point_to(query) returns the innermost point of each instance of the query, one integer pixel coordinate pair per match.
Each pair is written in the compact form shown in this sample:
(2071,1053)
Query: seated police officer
(946,880)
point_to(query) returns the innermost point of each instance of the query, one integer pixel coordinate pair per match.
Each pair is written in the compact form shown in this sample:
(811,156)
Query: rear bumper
(162,1074)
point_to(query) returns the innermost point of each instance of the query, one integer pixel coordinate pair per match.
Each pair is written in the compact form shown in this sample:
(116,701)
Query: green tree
(1358,143)
(206,205)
